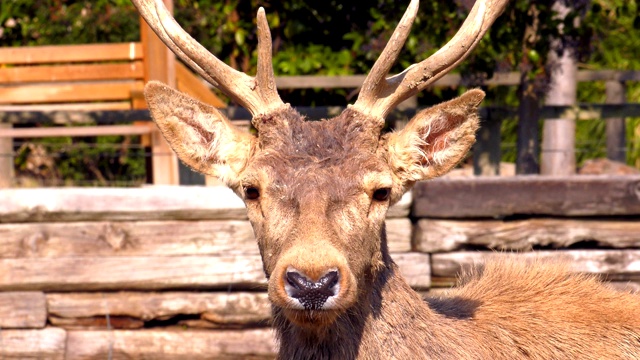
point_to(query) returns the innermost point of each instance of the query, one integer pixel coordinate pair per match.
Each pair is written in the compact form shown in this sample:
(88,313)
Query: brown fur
(317,193)
(511,310)
(316,213)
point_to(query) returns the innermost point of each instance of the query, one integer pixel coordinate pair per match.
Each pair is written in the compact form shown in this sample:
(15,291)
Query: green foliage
(338,38)
(614,44)
(312,59)
(52,22)
(102,161)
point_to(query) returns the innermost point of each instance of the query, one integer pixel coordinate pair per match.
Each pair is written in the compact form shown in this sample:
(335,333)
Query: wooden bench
(92,77)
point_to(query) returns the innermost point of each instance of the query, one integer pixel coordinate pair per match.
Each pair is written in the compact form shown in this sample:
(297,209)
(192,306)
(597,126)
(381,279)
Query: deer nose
(312,295)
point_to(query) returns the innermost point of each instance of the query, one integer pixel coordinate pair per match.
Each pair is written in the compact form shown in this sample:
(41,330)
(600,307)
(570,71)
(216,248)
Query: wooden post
(559,135)
(159,64)
(6,159)
(528,144)
(486,151)
(616,129)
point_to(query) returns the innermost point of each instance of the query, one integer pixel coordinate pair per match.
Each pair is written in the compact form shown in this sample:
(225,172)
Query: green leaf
(239,37)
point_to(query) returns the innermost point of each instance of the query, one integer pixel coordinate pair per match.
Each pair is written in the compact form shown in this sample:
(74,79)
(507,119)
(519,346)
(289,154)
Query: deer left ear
(435,140)
(201,136)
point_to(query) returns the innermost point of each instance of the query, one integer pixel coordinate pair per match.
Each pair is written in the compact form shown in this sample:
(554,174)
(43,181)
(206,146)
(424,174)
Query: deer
(317,193)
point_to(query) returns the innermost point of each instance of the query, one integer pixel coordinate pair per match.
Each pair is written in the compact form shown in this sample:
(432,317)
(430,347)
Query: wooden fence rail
(487,154)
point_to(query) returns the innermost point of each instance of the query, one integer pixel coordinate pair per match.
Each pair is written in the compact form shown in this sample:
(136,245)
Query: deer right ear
(202,137)
(435,140)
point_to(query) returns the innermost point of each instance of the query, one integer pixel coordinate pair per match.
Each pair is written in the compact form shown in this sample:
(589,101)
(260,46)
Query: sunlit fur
(316,212)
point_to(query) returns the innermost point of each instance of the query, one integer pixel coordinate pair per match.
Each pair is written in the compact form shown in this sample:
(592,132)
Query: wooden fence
(65,82)
(486,153)
(165,273)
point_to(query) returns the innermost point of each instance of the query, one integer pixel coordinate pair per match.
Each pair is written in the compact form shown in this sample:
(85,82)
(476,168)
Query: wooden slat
(399,235)
(115,105)
(85,72)
(224,309)
(155,273)
(95,204)
(171,344)
(149,238)
(312,81)
(135,273)
(355,81)
(606,75)
(449,80)
(149,203)
(103,130)
(402,208)
(529,195)
(188,83)
(615,265)
(45,344)
(415,268)
(27,309)
(70,53)
(127,238)
(432,235)
(63,117)
(111,52)
(96,323)
(69,92)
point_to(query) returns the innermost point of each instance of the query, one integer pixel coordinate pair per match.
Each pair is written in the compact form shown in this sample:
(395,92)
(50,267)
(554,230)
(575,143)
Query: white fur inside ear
(435,140)
(199,134)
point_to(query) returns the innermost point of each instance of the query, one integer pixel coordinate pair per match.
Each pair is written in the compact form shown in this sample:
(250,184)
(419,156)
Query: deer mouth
(311,318)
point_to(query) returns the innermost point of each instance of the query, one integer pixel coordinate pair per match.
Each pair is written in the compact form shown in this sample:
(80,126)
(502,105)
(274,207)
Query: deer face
(317,192)
(317,205)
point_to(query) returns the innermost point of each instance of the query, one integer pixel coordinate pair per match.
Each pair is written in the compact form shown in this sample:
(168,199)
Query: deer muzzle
(314,278)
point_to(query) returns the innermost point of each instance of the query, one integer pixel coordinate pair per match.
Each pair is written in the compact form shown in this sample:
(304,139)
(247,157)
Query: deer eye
(251,193)
(382,194)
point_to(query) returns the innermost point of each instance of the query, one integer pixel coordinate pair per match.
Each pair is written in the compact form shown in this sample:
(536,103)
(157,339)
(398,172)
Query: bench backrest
(71,77)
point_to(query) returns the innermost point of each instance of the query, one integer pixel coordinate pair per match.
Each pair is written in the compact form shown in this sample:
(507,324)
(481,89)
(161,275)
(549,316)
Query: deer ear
(436,139)
(202,137)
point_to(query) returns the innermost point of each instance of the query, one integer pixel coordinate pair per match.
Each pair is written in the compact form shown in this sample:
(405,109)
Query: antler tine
(264,76)
(375,83)
(147,11)
(379,96)
(258,95)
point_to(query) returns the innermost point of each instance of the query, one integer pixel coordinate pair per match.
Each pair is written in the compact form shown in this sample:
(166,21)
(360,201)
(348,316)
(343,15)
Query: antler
(379,96)
(258,95)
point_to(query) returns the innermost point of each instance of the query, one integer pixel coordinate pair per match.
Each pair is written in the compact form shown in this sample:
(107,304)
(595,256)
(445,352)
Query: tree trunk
(558,135)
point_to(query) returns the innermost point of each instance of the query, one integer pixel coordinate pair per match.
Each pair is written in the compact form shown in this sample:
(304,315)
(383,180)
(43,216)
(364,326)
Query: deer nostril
(298,281)
(312,295)
(329,281)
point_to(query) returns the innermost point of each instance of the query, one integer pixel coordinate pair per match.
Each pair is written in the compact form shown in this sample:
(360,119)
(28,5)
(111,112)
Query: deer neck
(389,312)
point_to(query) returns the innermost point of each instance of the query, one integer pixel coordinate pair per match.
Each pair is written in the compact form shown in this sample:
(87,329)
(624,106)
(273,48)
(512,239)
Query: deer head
(317,192)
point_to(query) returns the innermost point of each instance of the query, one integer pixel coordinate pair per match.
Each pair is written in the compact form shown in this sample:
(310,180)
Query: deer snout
(312,295)
(312,278)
